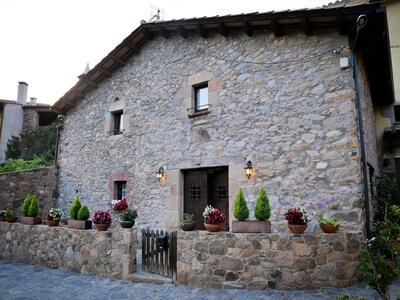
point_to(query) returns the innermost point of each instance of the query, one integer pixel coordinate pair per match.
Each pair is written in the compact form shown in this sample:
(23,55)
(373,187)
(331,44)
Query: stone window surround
(187,94)
(117,105)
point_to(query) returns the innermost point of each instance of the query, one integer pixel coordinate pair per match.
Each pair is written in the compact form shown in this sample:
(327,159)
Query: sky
(47,43)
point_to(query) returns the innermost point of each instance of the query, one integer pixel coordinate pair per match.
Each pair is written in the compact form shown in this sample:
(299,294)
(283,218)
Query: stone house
(199,98)
(19,116)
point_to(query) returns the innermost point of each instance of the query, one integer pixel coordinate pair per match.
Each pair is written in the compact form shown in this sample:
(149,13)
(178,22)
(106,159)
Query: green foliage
(26,205)
(129,215)
(331,221)
(240,209)
(343,296)
(381,254)
(83,213)
(34,207)
(187,217)
(74,209)
(12,165)
(39,143)
(262,211)
(9,213)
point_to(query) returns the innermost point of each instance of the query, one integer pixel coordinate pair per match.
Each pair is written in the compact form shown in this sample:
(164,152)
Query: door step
(146,277)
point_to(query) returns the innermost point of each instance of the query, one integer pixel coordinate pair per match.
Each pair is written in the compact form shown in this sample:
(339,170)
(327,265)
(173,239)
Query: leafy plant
(25,205)
(381,254)
(128,215)
(297,216)
(74,209)
(54,214)
(83,213)
(187,218)
(240,209)
(102,217)
(320,211)
(34,207)
(12,165)
(344,296)
(9,213)
(262,210)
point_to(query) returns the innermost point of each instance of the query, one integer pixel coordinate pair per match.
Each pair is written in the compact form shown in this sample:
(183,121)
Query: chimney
(22,92)
(33,101)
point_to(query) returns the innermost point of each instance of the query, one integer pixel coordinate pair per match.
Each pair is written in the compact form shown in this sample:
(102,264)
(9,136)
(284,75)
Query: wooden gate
(159,252)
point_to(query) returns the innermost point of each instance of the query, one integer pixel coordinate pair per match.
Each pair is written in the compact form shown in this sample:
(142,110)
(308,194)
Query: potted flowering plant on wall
(213,218)
(102,220)
(297,219)
(9,215)
(53,216)
(328,225)
(119,205)
(127,219)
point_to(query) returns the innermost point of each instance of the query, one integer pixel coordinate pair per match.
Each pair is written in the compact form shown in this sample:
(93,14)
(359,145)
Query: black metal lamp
(160,173)
(248,169)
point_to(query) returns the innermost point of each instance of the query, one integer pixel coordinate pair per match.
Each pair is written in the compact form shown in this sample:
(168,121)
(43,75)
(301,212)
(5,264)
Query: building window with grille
(117,122)
(119,190)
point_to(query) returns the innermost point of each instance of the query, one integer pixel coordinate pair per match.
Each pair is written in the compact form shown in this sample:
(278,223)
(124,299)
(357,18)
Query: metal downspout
(363,153)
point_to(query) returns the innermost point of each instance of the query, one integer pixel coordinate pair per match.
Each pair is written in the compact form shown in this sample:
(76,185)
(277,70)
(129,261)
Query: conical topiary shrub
(83,213)
(240,209)
(262,211)
(34,207)
(26,205)
(76,205)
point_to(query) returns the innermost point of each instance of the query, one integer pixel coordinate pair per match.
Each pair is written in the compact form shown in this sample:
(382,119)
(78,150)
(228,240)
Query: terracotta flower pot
(297,228)
(329,228)
(213,227)
(52,222)
(102,227)
(127,224)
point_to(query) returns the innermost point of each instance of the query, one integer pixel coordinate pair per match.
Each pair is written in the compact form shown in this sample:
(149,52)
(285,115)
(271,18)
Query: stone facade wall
(284,103)
(14,186)
(108,253)
(268,261)
(31,120)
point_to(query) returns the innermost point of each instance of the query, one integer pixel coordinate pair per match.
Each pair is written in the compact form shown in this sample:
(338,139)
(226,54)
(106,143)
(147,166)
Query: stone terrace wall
(108,254)
(268,261)
(14,186)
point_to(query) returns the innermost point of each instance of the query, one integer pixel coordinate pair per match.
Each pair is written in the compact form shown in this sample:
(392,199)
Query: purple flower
(320,206)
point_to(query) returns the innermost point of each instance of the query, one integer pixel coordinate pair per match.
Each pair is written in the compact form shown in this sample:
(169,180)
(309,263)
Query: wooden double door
(204,187)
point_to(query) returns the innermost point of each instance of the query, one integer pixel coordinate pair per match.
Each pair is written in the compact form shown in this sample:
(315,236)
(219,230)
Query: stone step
(146,277)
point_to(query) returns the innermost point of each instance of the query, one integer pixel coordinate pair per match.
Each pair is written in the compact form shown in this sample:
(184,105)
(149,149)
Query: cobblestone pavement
(20,281)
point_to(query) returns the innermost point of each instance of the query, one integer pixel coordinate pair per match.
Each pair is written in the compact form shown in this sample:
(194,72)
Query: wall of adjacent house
(14,186)
(282,102)
(12,126)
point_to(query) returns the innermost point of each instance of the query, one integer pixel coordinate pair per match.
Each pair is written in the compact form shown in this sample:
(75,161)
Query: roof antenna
(157,14)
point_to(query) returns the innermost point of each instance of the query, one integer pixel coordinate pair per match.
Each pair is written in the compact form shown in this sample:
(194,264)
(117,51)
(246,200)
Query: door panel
(220,192)
(195,195)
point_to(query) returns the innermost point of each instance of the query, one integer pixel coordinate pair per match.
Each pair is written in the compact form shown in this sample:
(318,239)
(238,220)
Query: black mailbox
(162,242)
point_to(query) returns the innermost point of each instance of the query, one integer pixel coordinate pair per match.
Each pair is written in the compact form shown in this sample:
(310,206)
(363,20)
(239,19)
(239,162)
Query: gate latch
(162,242)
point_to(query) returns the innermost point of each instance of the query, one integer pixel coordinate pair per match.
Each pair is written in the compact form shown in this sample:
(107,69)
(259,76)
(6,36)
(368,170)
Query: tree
(262,211)
(240,210)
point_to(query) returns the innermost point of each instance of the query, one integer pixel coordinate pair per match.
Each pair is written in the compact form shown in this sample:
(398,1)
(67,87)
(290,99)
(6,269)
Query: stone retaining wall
(108,254)
(268,261)
(14,186)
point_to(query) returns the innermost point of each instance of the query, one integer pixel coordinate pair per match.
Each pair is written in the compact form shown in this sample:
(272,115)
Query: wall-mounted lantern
(248,169)
(160,173)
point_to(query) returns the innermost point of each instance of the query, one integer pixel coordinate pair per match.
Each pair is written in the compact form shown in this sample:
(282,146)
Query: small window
(119,190)
(118,122)
(201,98)
(397,113)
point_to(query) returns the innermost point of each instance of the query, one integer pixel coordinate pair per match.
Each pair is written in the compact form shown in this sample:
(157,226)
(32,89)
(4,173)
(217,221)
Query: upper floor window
(201,98)
(118,122)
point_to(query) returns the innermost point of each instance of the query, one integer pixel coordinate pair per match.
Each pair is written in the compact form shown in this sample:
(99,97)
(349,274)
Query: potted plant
(241,213)
(102,220)
(53,217)
(328,225)
(213,218)
(9,215)
(30,211)
(297,219)
(262,211)
(79,215)
(127,219)
(187,223)
(119,205)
